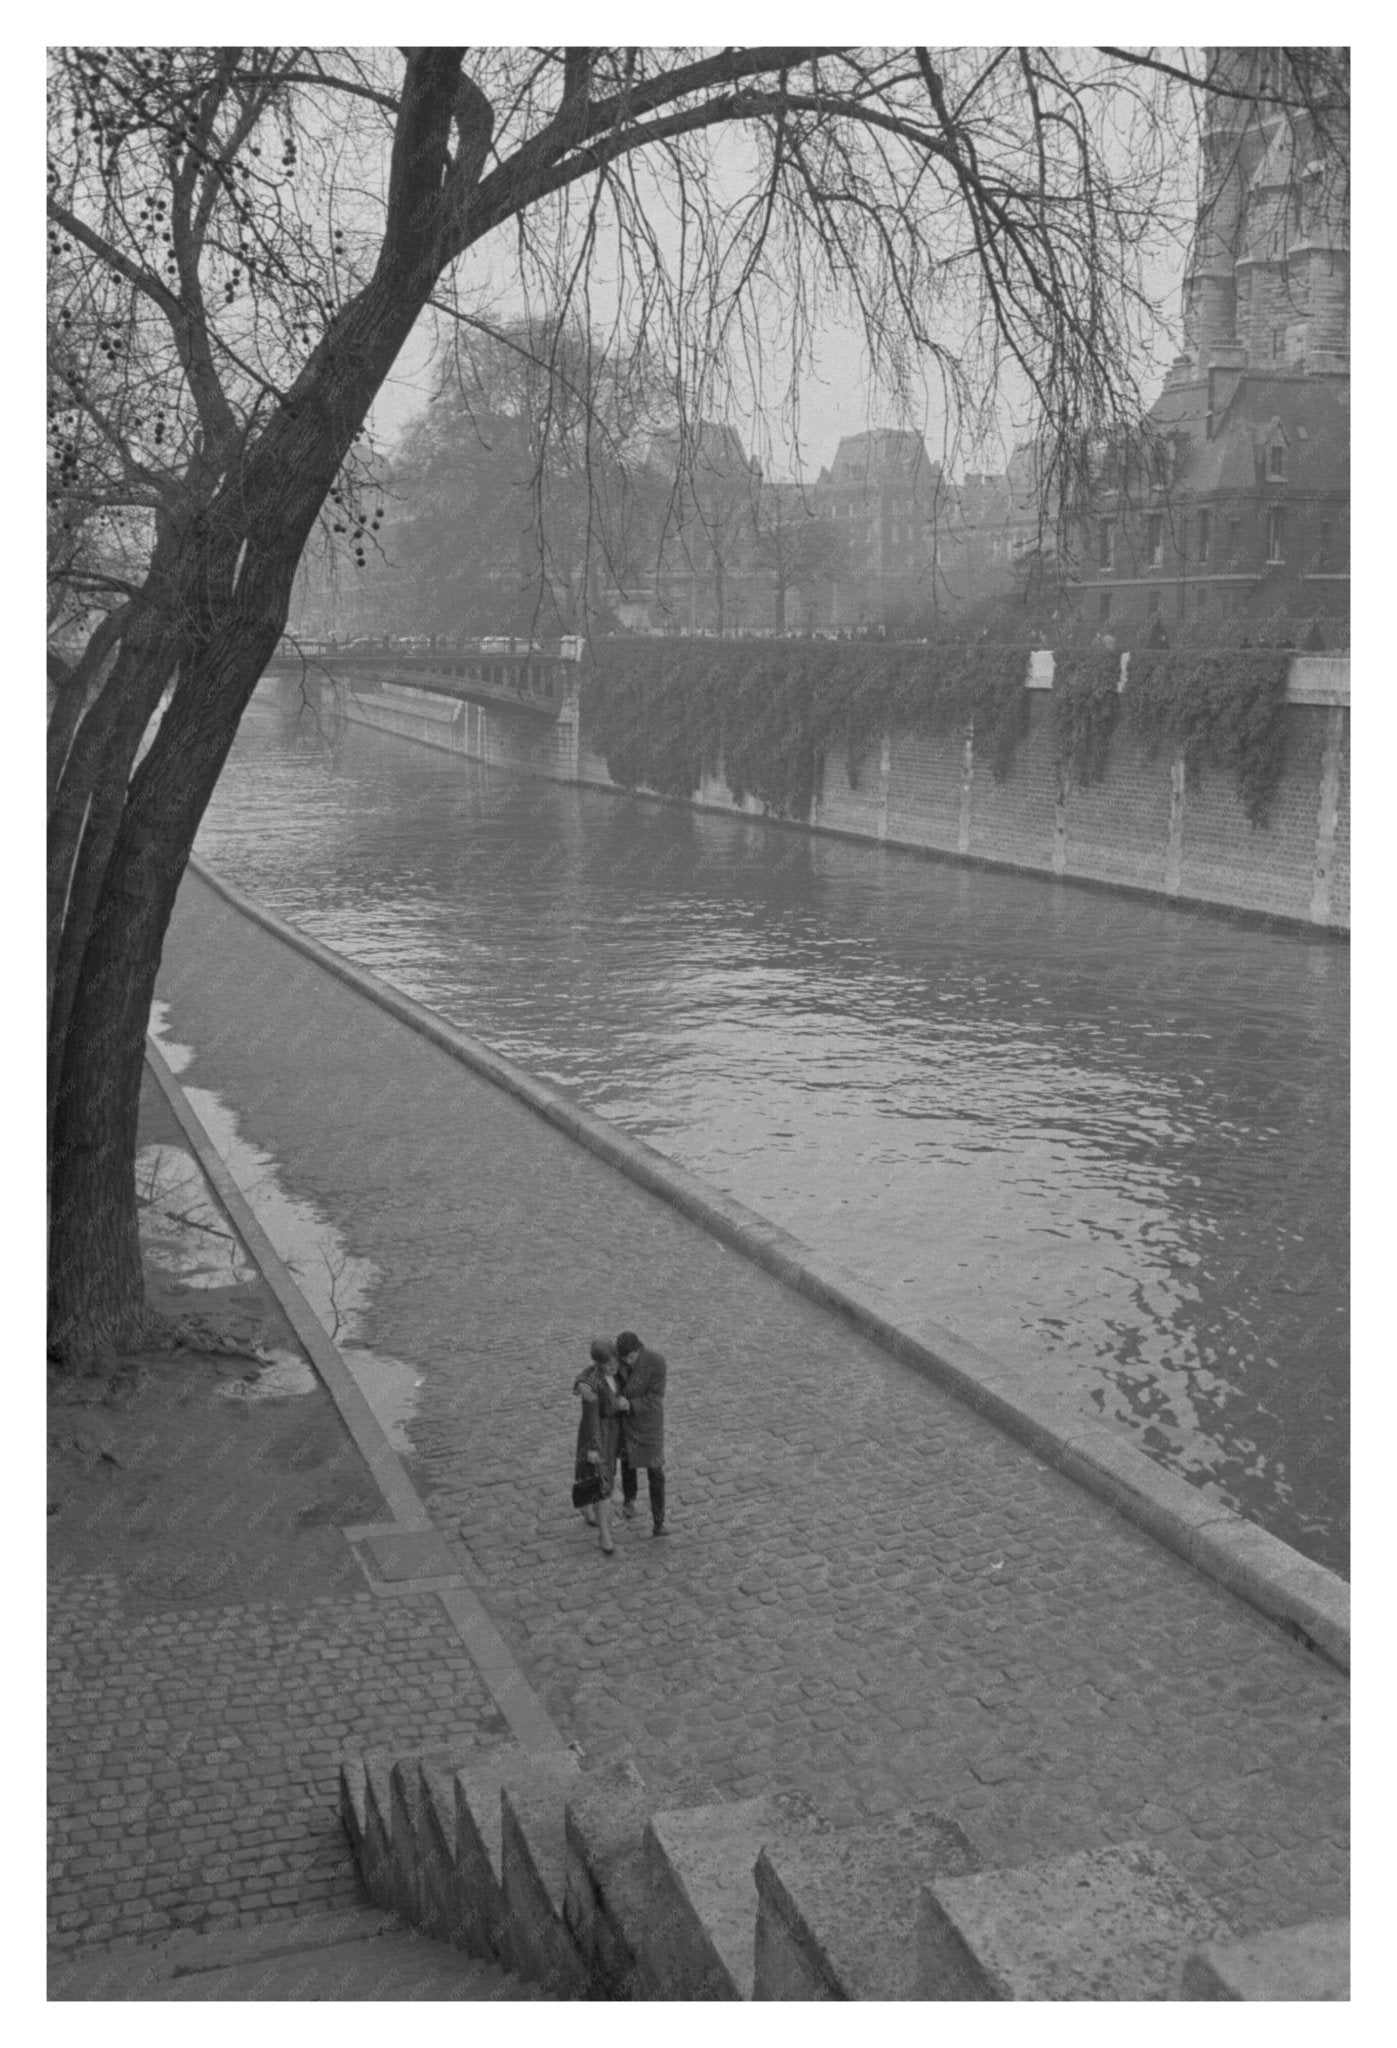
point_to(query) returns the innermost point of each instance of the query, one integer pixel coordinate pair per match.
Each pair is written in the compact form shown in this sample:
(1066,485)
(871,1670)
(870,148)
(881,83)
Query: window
(1234,542)
(1205,535)
(1275,535)
(1324,552)
(1106,544)
(1103,608)
(1152,608)
(1154,541)
(1275,461)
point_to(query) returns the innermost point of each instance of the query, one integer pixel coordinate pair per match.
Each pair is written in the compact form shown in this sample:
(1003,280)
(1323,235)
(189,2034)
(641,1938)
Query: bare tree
(512,487)
(243,240)
(796,548)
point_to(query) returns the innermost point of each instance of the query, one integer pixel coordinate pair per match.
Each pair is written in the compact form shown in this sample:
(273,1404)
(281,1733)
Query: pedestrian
(642,1410)
(598,1434)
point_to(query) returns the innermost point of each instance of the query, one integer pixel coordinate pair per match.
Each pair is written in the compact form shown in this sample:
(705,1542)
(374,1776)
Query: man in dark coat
(641,1405)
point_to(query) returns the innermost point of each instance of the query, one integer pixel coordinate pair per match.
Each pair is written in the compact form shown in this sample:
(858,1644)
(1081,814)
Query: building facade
(1238,525)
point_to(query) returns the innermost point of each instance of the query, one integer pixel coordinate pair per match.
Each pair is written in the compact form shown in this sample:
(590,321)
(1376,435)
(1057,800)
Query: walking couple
(623,1413)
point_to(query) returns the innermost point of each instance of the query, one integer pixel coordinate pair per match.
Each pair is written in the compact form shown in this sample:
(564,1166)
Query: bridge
(514,673)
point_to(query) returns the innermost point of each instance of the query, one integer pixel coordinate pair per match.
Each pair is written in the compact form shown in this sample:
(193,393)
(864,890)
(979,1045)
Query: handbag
(587,1492)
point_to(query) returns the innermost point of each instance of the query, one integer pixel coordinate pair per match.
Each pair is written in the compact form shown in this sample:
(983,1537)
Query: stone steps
(589,1885)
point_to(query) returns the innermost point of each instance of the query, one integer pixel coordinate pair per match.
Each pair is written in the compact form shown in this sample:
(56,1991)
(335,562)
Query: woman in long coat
(598,1433)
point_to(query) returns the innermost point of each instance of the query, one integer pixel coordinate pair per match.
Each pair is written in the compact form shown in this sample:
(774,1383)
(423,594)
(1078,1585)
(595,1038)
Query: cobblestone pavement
(193,1754)
(868,1592)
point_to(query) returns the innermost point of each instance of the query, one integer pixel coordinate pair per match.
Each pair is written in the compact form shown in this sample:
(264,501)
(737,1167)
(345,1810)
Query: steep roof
(1311,412)
(709,448)
(883,451)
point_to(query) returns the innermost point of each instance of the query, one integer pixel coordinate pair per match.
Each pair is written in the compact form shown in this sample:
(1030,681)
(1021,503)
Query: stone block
(837,1910)
(1286,1965)
(479,1899)
(533,1880)
(413,1554)
(442,1910)
(376,1855)
(606,1895)
(1102,1925)
(1297,1591)
(406,1799)
(353,1815)
(699,1866)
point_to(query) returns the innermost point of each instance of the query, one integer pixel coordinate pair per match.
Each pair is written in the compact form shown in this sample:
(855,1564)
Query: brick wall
(840,806)
(1013,820)
(924,783)
(1267,867)
(1118,830)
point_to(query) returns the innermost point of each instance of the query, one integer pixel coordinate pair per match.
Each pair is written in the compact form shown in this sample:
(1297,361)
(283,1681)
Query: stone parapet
(1102,1925)
(1282,1966)
(595,1894)
(837,1909)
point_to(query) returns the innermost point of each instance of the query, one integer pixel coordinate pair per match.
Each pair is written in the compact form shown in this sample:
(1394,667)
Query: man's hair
(626,1343)
(602,1352)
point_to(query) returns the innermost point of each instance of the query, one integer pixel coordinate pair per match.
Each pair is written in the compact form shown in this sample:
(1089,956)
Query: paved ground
(200,1698)
(352,1954)
(868,1593)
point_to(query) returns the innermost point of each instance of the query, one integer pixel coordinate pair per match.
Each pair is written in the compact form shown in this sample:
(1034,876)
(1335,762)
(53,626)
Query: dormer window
(1275,462)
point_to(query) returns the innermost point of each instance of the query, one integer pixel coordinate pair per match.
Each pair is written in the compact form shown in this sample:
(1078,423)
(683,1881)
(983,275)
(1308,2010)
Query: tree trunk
(120,905)
(219,592)
(96,1286)
(96,1289)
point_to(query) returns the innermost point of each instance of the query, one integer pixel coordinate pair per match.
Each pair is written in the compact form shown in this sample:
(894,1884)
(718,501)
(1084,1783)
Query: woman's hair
(602,1352)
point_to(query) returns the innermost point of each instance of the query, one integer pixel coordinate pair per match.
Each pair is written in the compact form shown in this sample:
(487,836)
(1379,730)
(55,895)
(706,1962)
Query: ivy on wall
(664,713)
(1220,710)
(1086,709)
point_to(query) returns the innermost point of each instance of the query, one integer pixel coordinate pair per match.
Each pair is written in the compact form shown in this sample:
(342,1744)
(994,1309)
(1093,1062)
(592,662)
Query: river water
(1104,1139)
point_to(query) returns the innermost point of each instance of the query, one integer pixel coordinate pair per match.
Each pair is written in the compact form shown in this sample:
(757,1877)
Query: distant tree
(700,492)
(796,547)
(514,487)
(254,233)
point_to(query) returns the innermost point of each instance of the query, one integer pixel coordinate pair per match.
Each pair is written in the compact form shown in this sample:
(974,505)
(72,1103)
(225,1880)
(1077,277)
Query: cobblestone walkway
(867,1593)
(193,1753)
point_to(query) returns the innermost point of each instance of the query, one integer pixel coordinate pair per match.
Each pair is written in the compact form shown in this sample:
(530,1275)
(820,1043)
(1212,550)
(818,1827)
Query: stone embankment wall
(1151,825)
(496,735)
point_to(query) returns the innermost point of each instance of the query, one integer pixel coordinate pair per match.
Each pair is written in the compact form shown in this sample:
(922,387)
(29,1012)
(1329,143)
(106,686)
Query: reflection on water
(1100,1138)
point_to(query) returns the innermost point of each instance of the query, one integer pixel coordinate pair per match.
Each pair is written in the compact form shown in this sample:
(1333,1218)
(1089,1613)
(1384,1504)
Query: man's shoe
(659,1529)
(628,1510)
